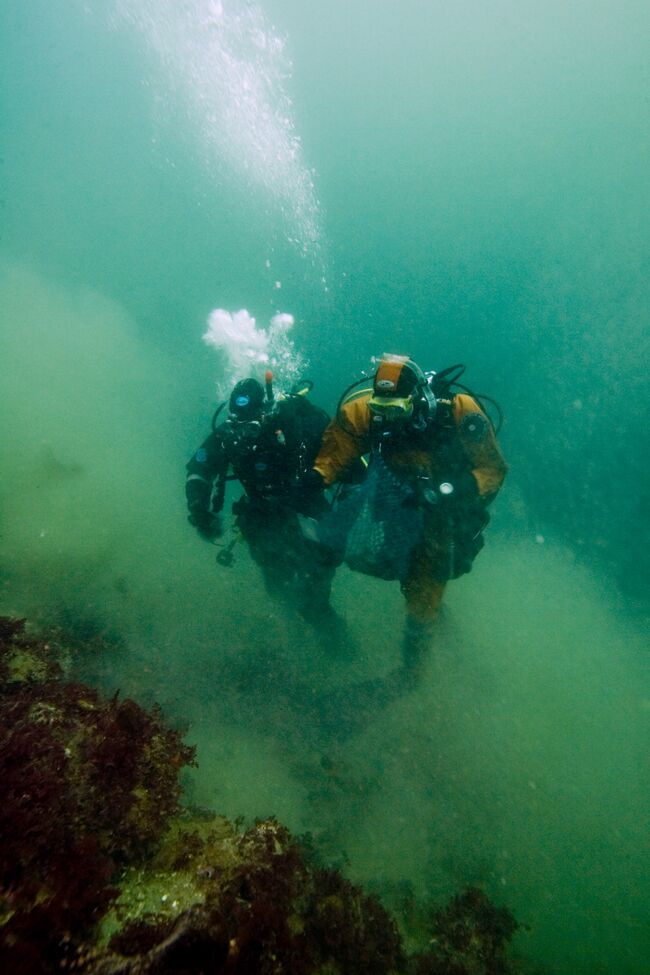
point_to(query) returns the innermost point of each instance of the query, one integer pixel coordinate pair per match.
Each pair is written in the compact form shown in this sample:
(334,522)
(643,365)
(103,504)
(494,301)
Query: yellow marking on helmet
(383,402)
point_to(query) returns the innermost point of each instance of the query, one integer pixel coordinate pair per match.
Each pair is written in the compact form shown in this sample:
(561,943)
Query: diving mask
(391,409)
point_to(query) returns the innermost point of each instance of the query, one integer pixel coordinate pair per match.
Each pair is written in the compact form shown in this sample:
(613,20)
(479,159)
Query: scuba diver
(434,467)
(268,442)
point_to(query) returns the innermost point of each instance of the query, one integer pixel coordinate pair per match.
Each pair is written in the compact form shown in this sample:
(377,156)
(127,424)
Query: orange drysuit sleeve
(344,440)
(481,448)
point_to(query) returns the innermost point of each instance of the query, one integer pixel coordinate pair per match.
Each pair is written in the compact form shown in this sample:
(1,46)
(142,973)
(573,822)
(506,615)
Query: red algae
(103,873)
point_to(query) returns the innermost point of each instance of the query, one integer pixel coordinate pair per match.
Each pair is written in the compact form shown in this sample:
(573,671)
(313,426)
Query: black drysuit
(270,466)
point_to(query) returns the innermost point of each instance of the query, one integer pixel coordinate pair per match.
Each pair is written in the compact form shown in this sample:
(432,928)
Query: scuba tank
(444,382)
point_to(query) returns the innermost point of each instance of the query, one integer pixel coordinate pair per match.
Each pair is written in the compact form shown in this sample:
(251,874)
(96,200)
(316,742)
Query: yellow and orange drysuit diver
(455,450)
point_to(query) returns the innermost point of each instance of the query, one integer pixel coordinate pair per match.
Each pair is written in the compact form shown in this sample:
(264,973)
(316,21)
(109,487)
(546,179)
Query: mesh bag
(376,525)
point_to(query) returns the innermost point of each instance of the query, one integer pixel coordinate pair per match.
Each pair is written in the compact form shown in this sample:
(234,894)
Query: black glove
(208,526)
(307,491)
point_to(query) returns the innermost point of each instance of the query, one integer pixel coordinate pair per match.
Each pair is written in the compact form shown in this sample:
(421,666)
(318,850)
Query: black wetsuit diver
(268,444)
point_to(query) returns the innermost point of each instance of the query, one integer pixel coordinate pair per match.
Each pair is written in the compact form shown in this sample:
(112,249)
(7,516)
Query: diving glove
(207,525)
(307,489)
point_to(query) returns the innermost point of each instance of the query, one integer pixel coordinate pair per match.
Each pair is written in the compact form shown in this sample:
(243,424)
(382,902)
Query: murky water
(462,183)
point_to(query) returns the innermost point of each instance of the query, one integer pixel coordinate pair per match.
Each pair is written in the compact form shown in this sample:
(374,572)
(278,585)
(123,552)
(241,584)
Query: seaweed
(103,873)
(470,937)
(87,784)
(265,911)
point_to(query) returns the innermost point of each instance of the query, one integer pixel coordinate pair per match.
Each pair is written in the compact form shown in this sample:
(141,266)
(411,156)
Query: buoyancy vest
(286,447)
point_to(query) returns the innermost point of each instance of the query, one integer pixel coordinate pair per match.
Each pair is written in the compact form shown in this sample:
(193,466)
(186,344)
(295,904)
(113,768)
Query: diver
(434,468)
(268,442)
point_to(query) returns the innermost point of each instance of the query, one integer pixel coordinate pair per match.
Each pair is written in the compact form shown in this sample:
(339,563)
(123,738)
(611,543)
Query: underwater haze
(461,182)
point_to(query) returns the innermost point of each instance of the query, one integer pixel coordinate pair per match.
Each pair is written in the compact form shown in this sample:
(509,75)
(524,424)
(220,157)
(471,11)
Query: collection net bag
(375,526)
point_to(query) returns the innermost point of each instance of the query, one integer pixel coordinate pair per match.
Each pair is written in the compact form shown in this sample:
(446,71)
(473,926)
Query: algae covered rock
(102,872)
(259,907)
(470,936)
(87,785)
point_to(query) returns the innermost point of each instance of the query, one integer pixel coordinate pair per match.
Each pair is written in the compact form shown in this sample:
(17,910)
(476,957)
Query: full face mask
(401,395)
(390,410)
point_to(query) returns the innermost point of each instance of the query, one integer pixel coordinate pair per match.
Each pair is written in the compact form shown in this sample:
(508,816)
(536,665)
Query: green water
(463,182)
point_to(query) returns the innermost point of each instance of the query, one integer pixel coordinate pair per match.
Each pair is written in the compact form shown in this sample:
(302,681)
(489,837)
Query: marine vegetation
(103,873)
(469,937)
(259,907)
(88,785)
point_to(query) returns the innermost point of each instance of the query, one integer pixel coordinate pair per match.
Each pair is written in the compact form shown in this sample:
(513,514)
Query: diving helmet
(245,414)
(400,393)
(246,400)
